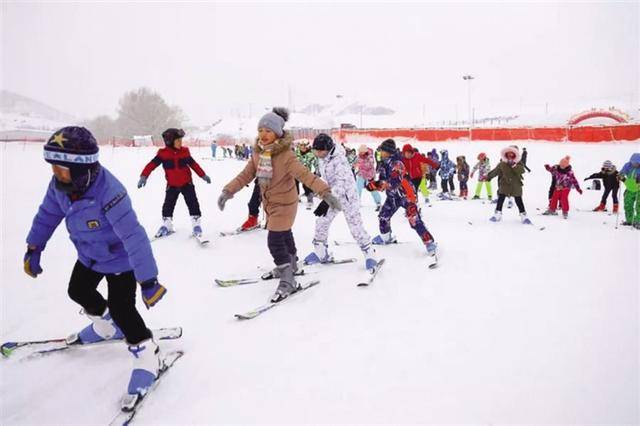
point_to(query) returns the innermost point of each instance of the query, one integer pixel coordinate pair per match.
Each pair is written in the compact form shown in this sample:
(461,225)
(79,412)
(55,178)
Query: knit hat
(407,148)
(482,156)
(388,145)
(75,148)
(170,135)
(274,120)
(362,149)
(607,165)
(323,142)
(564,163)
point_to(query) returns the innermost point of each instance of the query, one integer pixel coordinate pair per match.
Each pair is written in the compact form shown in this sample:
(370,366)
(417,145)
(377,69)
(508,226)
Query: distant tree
(145,112)
(103,127)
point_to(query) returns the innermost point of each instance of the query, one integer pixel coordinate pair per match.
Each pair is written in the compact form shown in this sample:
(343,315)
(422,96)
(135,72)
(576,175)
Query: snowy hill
(516,325)
(21,112)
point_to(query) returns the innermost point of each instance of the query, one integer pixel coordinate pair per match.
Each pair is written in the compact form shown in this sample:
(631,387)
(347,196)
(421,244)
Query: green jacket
(631,181)
(509,178)
(308,159)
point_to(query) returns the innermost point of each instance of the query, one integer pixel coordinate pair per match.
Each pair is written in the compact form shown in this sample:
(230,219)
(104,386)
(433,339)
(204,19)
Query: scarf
(265,167)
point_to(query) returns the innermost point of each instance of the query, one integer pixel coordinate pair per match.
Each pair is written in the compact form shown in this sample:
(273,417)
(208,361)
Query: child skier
(336,171)
(400,193)
(611,181)
(463,175)
(509,172)
(275,165)
(365,171)
(110,243)
(433,154)
(565,180)
(306,157)
(416,166)
(446,172)
(483,166)
(176,161)
(630,175)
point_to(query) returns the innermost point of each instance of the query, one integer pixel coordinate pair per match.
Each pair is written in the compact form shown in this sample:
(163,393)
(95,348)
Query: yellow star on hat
(59,138)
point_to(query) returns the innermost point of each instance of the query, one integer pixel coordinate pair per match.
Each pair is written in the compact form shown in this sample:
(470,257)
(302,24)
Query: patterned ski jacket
(447,167)
(564,177)
(102,226)
(308,159)
(336,171)
(176,164)
(483,168)
(393,180)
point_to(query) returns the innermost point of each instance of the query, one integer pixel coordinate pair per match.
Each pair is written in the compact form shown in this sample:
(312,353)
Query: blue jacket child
(110,243)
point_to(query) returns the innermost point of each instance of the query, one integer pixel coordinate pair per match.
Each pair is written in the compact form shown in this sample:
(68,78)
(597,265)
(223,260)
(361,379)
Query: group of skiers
(112,244)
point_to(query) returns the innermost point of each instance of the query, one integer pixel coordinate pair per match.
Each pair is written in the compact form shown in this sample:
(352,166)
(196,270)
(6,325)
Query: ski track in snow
(515,325)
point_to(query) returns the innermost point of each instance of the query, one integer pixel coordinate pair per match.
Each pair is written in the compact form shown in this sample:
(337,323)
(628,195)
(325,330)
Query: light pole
(468,79)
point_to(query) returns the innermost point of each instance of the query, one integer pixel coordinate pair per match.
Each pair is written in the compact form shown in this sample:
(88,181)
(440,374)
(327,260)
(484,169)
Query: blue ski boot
(101,328)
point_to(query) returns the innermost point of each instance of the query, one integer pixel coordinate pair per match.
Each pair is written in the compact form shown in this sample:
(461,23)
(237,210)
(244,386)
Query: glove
(32,262)
(222,200)
(322,209)
(579,191)
(142,182)
(372,185)
(152,292)
(332,201)
(206,179)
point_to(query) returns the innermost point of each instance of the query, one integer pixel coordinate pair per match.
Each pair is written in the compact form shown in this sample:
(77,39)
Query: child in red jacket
(176,161)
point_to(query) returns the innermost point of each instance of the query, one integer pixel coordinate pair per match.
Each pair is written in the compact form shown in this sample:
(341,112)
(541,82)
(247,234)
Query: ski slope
(515,325)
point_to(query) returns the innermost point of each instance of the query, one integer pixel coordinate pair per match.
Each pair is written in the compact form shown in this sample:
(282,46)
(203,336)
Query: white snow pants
(351,210)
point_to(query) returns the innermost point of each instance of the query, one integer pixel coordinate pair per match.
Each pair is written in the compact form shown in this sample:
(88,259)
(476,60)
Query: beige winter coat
(279,198)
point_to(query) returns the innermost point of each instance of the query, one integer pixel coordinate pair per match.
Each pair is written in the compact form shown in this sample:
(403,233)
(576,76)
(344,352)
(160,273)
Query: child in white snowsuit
(336,171)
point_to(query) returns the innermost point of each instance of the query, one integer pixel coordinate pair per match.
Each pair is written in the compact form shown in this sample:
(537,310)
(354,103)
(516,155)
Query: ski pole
(618,211)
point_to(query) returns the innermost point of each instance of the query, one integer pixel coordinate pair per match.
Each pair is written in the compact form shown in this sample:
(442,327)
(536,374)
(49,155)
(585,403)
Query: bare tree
(145,112)
(103,127)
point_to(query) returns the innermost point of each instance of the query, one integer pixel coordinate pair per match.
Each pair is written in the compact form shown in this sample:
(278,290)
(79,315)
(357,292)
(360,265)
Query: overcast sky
(210,57)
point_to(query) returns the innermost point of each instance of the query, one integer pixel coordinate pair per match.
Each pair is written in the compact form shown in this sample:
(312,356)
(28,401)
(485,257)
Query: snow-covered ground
(516,325)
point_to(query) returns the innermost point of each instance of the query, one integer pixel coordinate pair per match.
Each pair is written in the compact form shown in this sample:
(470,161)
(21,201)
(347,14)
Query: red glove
(372,185)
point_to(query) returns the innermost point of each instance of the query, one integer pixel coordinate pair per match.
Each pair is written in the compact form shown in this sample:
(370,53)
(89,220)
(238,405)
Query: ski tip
(7,348)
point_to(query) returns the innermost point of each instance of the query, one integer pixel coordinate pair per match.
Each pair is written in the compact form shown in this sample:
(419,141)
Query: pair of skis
(130,404)
(199,238)
(304,287)
(432,260)
(35,348)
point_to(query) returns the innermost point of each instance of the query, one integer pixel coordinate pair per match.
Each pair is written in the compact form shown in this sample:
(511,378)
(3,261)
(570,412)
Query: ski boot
(370,261)
(636,225)
(432,247)
(101,328)
(550,212)
(524,219)
(320,253)
(626,223)
(195,224)
(166,228)
(497,216)
(565,215)
(475,197)
(287,285)
(601,208)
(146,366)
(384,239)
(250,223)
(615,208)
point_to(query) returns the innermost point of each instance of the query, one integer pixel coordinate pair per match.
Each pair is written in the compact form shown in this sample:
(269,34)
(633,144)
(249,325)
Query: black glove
(322,209)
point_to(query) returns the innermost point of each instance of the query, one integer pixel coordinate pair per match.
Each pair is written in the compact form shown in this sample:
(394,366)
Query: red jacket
(176,163)
(414,166)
